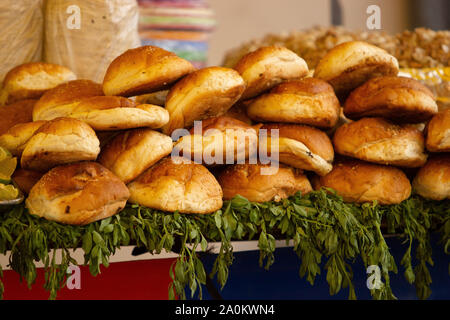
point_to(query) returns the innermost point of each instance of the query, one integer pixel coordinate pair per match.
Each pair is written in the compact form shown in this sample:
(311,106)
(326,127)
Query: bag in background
(86,35)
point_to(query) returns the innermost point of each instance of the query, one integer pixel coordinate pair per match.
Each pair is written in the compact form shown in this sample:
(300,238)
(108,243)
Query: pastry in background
(438,132)
(299,146)
(77,194)
(206,93)
(60,141)
(381,141)
(250,181)
(177,185)
(157,98)
(239,111)
(308,101)
(433,180)
(350,64)
(131,152)
(12,114)
(31,80)
(16,138)
(59,101)
(267,67)
(143,70)
(360,182)
(399,99)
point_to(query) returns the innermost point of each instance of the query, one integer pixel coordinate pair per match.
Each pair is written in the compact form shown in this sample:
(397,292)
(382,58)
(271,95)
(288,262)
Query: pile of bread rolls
(86,148)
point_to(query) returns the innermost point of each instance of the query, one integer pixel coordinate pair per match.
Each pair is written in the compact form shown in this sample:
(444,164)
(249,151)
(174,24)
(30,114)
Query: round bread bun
(359,181)
(77,194)
(12,114)
(144,70)
(433,180)
(177,185)
(131,152)
(308,101)
(31,80)
(220,140)
(60,141)
(400,99)
(203,94)
(157,98)
(380,141)
(15,139)
(59,101)
(299,146)
(261,183)
(267,67)
(26,179)
(110,113)
(438,132)
(350,64)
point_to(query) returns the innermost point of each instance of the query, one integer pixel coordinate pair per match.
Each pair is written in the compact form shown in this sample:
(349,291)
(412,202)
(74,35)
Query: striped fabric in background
(180,26)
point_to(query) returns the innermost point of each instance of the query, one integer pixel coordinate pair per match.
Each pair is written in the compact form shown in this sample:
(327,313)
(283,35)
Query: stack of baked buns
(161,134)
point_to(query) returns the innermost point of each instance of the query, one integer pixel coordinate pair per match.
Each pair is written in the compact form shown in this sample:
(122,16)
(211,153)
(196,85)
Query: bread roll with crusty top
(359,181)
(203,94)
(177,185)
(144,70)
(299,146)
(433,179)
(381,141)
(438,132)
(219,140)
(399,99)
(350,64)
(131,152)
(77,194)
(59,101)
(31,80)
(249,181)
(60,141)
(16,138)
(110,113)
(308,101)
(267,67)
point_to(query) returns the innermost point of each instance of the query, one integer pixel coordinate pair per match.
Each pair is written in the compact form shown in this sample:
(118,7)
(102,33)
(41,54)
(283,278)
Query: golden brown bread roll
(267,67)
(130,153)
(299,146)
(31,80)
(203,94)
(107,113)
(60,141)
(77,194)
(350,64)
(438,132)
(359,181)
(12,114)
(433,180)
(220,140)
(248,181)
(59,101)
(26,179)
(397,98)
(144,70)
(182,186)
(17,137)
(380,141)
(308,101)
